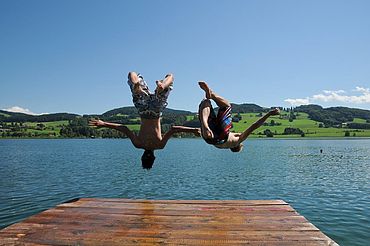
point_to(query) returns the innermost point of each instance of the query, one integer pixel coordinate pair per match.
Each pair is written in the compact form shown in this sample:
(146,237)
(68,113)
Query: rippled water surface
(331,189)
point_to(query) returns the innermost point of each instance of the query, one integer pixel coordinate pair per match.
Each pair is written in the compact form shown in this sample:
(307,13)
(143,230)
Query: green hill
(334,115)
(247,108)
(302,126)
(133,111)
(303,121)
(6,116)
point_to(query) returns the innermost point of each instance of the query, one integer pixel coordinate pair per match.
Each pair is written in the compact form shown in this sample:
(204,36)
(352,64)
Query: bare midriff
(150,134)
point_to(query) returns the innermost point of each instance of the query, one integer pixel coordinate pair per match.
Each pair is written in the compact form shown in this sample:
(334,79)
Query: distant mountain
(329,116)
(334,115)
(124,111)
(133,111)
(247,108)
(6,116)
(114,114)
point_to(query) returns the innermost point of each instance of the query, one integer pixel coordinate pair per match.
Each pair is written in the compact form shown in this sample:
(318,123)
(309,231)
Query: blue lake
(331,189)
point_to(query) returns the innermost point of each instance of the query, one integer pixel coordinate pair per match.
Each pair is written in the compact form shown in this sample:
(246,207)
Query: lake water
(331,189)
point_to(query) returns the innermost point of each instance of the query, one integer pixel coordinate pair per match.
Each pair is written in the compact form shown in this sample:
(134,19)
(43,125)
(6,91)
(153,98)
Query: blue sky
(74,56)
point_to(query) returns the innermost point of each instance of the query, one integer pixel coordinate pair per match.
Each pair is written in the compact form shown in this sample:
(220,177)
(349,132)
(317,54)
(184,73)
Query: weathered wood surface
(90,221)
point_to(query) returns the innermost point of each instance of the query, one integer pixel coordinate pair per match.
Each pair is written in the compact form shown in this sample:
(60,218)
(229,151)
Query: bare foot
(275,111)
(203,85)
(160,86)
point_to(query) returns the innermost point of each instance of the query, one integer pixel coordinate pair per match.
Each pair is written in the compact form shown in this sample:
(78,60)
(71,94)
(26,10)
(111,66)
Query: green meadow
(276,124)
(43,129)
(309,127)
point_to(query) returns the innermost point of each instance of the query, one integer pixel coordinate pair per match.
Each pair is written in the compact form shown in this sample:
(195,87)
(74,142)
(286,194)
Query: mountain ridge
(330,115)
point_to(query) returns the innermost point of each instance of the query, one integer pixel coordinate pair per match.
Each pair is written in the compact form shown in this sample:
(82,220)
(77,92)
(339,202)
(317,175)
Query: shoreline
(251,138)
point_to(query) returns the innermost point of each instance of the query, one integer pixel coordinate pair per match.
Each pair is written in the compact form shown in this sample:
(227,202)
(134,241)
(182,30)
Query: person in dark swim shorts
(219,124)
(215,129)
(150,107)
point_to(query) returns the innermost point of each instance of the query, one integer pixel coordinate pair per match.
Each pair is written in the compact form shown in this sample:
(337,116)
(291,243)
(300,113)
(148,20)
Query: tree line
(335,116)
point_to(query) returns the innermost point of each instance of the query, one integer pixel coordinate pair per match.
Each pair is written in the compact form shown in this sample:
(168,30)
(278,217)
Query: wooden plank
(176,212)
(204,233)
(101,236)
(146,206)
(146,218)
(222,202)
(180,222)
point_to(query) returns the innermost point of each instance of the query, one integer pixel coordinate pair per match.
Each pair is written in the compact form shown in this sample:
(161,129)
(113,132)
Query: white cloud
(337,92)
(298,101)
(334,96)
(362,89)
(17,109)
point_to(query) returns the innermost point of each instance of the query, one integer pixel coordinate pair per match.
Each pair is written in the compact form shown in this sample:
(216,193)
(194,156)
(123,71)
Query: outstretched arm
(118,127)
(177,129)
(257,124)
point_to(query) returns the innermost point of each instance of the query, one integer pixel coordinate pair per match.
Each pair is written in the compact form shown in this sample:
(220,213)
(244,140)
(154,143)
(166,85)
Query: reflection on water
(331,188)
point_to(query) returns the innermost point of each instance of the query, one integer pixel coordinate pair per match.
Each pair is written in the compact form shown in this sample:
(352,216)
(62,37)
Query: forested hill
(308,120)
(329,116)
(6,116)
(123,112)
(247,108)
(334,115)
(133,111)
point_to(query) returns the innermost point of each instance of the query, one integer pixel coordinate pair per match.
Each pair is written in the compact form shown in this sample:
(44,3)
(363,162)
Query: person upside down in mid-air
(215,129)
(150,107)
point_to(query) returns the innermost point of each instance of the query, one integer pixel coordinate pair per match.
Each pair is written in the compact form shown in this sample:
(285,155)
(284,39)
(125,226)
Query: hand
(274,111)
(96,123)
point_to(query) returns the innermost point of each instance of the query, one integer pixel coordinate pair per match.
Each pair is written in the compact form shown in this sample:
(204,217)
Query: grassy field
(51,129)
(5,115)
(358,120)
(309,127)
(135,127)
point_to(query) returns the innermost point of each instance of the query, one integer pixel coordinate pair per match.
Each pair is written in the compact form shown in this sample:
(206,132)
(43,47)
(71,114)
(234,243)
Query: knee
(205,103)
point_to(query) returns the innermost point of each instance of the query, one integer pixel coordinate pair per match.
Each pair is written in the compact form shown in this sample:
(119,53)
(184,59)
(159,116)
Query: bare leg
(133,77)
(135,80)
(257,124)
(220,101)
(204,112)
(164,83)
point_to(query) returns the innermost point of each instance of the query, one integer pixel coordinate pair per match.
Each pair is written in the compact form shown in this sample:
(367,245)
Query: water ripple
(331,189)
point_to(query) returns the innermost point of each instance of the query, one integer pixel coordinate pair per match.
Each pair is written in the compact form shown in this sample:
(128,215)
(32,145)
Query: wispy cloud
(298,101)
(17,109)
(362,97)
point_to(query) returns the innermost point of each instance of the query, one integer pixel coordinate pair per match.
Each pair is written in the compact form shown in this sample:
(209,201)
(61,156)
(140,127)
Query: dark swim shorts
(219,124)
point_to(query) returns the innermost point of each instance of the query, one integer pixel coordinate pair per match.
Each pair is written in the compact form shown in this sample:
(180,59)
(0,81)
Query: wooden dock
(176,222)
